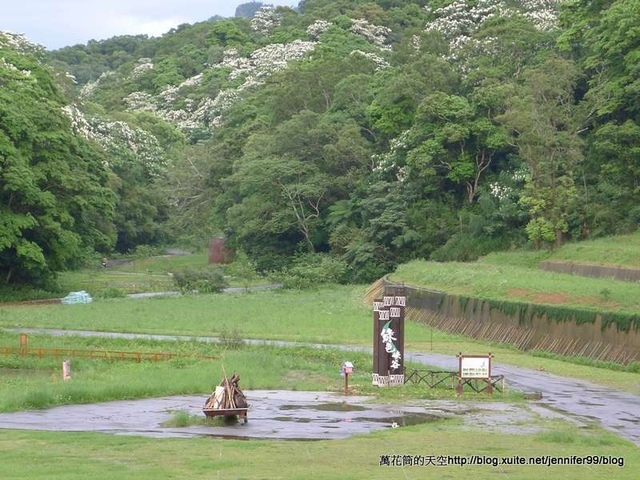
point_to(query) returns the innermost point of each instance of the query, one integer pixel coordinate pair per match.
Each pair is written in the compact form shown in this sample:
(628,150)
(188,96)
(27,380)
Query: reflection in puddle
(292,419)
(327,407)
(395,418)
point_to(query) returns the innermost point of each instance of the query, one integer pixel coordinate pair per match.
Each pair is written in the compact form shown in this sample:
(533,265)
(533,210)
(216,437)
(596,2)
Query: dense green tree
(545,123)
(248,10)
(54,201)
(604,38)
(452,136)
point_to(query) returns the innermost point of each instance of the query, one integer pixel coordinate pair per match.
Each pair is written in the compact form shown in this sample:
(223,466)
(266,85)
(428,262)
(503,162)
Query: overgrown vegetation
(209,280)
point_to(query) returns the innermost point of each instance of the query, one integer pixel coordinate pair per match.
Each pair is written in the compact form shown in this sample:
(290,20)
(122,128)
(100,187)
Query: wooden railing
(94,354)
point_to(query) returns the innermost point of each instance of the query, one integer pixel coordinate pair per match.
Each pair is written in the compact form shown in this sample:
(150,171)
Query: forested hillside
(361,133)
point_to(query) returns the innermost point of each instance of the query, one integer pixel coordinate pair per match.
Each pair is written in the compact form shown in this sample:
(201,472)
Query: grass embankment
(515,276)
(621,251)
(495,279)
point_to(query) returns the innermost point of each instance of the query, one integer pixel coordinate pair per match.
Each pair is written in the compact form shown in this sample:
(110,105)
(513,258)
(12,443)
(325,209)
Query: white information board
(475,366)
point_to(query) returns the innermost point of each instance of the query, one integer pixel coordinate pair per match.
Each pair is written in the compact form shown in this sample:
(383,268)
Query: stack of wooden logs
(227,396)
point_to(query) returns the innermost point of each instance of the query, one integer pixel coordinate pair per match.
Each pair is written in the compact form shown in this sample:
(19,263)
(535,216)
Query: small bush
(559,436)
(242,269)
(182,418)
(467,248)
(633,367)
(208,280)
(312,270)
(231,338)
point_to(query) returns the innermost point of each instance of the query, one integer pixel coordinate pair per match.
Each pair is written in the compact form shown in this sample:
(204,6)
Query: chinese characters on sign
(388,338)
(475,367)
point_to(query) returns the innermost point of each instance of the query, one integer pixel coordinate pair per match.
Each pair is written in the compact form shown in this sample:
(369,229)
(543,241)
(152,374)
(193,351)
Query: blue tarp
(77,297)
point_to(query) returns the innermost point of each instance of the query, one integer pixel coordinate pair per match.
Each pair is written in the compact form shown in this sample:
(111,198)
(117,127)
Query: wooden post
(66,370)
(23,344)
(346,383)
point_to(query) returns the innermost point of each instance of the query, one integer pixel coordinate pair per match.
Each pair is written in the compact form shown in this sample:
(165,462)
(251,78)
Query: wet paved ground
(579,400)
(586,402)
(272,415)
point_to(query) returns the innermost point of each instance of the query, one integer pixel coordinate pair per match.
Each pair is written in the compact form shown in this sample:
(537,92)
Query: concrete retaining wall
(526,330)
(595,271)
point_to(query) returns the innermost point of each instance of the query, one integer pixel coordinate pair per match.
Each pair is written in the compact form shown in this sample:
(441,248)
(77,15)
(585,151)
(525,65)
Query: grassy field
(620,251)
(332,315)
(335,315)
(623,250)
(154,274)
(68,456)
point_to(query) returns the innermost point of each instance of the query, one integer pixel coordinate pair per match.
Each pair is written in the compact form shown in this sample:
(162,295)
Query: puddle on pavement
(282,415)
(401,421)
(272,415)
(329,407)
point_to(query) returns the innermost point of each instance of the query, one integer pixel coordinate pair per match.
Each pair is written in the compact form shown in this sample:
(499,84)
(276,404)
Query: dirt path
(584,401)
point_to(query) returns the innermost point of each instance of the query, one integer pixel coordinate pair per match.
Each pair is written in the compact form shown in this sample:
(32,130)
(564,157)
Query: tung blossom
(89,87)
(380,62)
(461,19)
(317,28)
(144,65)
(122,142)
(375,34)
(12,67)
(19,42)
(265,20)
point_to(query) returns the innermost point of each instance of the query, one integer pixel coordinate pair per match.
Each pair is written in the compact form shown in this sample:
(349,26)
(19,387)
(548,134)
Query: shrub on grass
(312,270)
(181,418)
(231,338)
(209,280)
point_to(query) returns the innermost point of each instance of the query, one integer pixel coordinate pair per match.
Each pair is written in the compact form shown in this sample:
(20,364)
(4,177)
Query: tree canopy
(372,131)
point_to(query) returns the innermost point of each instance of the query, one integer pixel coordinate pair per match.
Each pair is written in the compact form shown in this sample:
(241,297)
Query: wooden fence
(94,354)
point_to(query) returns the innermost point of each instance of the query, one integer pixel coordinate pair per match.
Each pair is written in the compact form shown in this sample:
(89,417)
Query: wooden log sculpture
(227,399)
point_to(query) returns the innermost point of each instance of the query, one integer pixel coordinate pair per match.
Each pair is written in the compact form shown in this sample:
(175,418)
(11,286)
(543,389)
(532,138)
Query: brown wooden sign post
(388,338)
